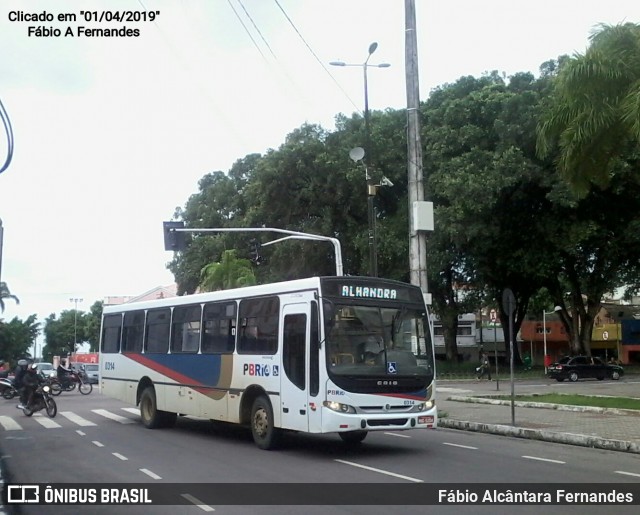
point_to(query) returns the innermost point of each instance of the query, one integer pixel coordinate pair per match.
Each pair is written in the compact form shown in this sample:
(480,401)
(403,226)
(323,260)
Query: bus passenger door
(294,378)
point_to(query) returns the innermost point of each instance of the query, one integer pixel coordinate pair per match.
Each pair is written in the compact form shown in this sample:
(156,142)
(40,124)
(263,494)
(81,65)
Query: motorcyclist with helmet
(30,381)
(64,375)
(18,377)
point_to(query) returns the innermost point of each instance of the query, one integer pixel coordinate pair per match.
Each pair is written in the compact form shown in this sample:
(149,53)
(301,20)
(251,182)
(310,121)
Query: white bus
(325,354)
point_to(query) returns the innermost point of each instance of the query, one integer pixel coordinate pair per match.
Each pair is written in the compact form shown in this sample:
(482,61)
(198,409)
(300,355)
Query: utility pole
(420,212)
(1,237)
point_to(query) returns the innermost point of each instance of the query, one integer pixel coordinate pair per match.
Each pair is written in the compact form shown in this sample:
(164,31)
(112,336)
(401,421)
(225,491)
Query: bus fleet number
(109,365)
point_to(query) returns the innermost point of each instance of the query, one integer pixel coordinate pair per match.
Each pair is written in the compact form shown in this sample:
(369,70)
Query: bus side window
(185,334)
(258,332)
(157,330)
(132,331)
(111,333)
(219,328)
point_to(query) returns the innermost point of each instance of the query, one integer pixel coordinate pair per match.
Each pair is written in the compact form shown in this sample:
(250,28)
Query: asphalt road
(98,440)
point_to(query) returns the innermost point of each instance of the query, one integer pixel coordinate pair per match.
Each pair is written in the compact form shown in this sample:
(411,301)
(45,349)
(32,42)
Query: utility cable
(316,57)
(246,29)
(6,122)
(256,27)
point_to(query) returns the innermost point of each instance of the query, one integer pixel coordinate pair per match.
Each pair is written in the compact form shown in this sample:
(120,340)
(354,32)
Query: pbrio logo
(335,392)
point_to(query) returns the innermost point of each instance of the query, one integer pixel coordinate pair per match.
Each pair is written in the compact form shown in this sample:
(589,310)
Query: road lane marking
(544,459)
(461,446)
(396,434)
(150,474)
(9,424)
(77,419)
(97,443)
(120,456)
(113,416)
(626,473)
(380,471)
(197,502)
(135,411)
(81,433)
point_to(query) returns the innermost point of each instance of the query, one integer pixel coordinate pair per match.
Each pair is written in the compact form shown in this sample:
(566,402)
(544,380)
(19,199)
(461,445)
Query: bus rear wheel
(151,416)
(265,434)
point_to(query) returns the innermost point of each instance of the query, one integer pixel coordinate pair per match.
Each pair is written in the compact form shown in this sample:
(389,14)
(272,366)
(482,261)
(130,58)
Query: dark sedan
(583,367)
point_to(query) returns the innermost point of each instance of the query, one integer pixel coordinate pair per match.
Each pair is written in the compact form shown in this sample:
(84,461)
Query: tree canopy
(594,112)
(496,160)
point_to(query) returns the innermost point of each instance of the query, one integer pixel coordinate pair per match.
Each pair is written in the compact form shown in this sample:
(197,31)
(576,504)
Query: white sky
(111,134)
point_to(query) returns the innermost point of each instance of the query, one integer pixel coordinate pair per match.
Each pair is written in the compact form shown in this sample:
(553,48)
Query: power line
(256,27)
(246,29)
(317,58)
(180,58)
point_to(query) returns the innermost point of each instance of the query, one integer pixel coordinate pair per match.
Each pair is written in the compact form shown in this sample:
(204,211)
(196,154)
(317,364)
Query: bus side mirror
(329,313)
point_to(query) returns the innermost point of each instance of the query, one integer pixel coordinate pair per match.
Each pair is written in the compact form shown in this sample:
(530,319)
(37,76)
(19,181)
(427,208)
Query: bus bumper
(333,421)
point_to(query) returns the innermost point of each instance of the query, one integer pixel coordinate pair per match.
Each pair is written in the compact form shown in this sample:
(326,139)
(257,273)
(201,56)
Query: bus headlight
(340,408)
(416,408)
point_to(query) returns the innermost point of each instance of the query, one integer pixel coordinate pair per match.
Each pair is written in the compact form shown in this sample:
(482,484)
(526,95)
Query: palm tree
(594,115)
(230,272)
(6,294)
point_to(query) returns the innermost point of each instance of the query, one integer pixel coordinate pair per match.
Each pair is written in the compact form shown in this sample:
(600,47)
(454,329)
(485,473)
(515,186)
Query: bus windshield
(367,340)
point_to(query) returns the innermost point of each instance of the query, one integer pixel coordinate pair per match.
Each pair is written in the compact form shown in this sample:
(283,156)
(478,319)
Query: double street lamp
(371,187)
(75,321)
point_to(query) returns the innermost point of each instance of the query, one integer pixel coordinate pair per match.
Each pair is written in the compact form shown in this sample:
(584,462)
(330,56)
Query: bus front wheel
(151,416)
(265,434)
(353,437)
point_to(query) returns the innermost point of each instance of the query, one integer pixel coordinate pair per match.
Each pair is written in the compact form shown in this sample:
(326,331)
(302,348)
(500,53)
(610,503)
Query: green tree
(92,322)
(6,294)
(487,187)
(229,272)
(219,203)
(61,334)
(594,113)
(17,337)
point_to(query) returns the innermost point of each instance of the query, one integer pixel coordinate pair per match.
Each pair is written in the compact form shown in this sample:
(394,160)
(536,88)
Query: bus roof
(329,286)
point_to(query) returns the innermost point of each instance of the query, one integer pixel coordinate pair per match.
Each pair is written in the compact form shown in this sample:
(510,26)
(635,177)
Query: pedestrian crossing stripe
(118,418)
(10,424)
(77,419)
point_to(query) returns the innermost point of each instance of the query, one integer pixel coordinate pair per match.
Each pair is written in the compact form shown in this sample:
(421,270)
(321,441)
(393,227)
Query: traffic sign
(508,301)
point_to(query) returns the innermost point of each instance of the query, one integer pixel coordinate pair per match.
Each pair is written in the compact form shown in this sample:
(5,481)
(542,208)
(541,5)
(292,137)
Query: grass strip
(578,400)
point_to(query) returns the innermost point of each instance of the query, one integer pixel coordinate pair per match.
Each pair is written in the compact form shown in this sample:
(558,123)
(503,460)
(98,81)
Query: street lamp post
(371,187)
(544,334)
(75,321)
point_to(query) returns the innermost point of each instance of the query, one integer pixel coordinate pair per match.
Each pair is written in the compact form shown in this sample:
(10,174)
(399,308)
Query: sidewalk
(470,407)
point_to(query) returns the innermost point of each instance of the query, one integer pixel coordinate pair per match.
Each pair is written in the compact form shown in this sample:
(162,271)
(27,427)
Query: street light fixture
(75,322)
(544,333)
(371,187)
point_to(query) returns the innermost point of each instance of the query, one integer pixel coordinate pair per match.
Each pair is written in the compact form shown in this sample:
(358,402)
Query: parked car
(46,369)
(91,371)
(583,367)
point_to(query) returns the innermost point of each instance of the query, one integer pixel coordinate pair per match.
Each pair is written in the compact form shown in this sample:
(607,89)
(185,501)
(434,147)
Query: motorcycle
(7,388)
(41,399)
(68,384)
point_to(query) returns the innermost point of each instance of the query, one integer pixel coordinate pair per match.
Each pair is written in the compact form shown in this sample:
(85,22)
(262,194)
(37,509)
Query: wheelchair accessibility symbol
(391,367)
